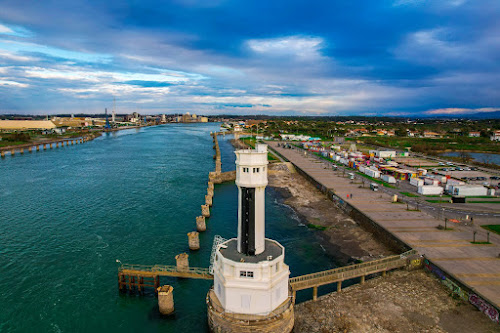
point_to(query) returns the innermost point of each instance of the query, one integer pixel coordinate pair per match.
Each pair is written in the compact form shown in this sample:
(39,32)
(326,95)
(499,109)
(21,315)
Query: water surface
(67,215)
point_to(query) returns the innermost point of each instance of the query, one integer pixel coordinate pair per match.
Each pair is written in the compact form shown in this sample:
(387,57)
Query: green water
(67,214)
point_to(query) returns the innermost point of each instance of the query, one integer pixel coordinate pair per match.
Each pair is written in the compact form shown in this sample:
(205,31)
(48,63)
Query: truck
(416,182)
(430,190)
(374,187)
(372,173)
(469,190)
(389,179)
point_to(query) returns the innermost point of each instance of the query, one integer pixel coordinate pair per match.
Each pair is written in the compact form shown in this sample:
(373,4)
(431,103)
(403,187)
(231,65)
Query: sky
(293,57)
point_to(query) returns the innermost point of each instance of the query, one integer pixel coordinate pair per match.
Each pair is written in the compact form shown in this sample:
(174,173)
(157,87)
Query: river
(479,157)
(67,215)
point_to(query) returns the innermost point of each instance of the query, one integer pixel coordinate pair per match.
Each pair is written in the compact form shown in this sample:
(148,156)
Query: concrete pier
(182,262)
(200,223)
(166,299)
(205,210)
(194,240)
(208,200)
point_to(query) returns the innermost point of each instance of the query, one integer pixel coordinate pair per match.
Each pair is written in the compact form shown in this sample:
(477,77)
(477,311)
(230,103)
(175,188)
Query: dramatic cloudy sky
(331,57)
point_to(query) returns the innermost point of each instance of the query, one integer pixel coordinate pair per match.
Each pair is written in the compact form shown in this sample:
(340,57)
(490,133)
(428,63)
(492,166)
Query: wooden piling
(362,280)
(166,299)
(200,223)
(208,200)
(194,240)
(315,293)
(182,262)
(30,149)
(12,152)
(21,151)
(339,286)
(205,210)
(2,154)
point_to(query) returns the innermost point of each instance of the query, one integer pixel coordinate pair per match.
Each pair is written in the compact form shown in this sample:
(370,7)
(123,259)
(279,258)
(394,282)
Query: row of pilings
(45,145)
(214,177)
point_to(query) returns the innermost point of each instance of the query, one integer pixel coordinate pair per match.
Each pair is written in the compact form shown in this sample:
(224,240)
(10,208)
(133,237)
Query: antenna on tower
(113,114)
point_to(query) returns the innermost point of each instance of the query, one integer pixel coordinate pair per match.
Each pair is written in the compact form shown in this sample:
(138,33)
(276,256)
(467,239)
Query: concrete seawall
(402,227)
(56,143)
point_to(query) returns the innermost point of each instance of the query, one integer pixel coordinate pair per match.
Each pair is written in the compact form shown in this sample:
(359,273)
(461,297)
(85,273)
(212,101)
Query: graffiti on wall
(455,289)
(484,307)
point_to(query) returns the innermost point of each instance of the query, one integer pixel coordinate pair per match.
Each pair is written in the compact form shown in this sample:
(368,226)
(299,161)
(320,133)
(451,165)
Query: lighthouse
(251,289)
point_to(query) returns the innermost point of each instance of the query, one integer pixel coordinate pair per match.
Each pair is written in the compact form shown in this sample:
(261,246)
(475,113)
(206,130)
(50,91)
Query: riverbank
(340,235)
(92,134)
(400,302)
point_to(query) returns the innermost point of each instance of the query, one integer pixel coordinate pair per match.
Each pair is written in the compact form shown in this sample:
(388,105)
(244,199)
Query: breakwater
(214,177)
(44,145)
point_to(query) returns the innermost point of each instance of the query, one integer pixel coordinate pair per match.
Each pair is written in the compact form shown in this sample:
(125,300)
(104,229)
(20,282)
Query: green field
(492,227)
(428,145)
(409,194)
(251,142)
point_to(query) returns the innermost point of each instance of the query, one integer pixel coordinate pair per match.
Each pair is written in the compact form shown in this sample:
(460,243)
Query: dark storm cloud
(315,57)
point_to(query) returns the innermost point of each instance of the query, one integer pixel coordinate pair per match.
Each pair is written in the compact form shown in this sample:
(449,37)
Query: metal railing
(159,269)
(349,272)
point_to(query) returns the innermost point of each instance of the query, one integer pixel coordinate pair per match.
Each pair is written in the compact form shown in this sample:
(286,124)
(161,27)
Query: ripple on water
(66,216)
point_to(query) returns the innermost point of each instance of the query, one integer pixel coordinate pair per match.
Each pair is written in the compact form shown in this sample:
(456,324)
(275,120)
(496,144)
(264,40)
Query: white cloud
(15,57)
(449,3)
(458,111)
(8,83)
(70,73)
(296,46)
(5,30)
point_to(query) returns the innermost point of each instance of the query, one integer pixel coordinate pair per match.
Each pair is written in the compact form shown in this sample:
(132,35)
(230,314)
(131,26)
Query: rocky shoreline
(339,234)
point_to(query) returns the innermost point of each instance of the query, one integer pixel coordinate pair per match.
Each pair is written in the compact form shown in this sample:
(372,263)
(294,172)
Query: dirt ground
(400,302)
(343,237)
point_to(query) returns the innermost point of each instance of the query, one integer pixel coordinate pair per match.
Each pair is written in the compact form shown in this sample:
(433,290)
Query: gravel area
(400,302)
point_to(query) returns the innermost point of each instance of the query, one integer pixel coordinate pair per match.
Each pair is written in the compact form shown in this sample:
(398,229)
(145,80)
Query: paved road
(476,265)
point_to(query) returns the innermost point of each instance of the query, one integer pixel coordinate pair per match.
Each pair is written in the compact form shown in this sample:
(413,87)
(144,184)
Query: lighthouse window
(246,274)
(246,170)
(255,170)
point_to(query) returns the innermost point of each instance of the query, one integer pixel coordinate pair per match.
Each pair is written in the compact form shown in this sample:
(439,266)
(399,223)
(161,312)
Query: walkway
(475,265)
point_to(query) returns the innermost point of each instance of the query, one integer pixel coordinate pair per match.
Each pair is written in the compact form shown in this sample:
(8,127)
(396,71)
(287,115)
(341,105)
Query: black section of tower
(247,198)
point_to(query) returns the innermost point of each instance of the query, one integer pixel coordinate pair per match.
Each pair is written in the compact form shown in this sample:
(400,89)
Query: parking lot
(416,162)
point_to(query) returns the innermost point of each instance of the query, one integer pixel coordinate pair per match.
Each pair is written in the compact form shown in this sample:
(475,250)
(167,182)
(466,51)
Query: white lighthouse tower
(251,287)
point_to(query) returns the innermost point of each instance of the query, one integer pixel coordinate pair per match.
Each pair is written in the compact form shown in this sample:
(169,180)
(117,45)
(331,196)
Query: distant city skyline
(389,57)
